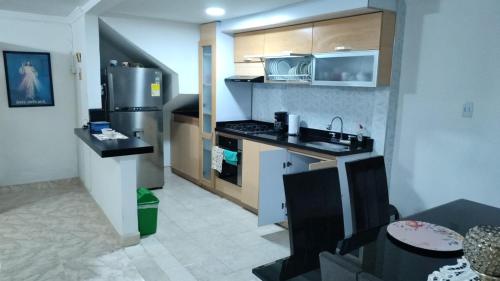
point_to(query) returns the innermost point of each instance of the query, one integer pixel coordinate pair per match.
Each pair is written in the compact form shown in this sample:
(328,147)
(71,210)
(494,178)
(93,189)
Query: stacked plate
(280,69)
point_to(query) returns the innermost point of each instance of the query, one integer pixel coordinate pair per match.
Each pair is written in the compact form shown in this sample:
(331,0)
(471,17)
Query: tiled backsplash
(317,105)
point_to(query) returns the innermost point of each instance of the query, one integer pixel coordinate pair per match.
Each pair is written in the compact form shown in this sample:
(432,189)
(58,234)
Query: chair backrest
(315,218)
(368,191)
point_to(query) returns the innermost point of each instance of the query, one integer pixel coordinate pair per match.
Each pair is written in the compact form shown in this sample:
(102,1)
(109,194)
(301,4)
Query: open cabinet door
(272,166)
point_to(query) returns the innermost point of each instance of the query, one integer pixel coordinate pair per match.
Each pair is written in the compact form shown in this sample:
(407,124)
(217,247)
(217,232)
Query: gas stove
(249,127)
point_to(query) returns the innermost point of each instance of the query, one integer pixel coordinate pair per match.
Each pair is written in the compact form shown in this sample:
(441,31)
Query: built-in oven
(231,173)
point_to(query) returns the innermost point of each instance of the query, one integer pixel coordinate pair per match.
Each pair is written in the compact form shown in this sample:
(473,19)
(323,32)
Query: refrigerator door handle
(111,92)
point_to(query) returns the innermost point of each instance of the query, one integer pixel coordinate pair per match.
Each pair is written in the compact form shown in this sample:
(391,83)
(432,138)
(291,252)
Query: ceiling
(193,11)
(45,7)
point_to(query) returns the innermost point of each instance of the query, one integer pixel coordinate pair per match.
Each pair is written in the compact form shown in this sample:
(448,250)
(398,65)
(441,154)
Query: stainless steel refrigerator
(134,103)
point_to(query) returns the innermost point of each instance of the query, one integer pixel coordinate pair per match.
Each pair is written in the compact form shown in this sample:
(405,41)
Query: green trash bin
(147,204)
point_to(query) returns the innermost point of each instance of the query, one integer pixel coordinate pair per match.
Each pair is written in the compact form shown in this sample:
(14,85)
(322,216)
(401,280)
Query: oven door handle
(239,157)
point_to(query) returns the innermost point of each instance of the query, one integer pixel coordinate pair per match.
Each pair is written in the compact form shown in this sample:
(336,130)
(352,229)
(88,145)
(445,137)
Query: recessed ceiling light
(215,11)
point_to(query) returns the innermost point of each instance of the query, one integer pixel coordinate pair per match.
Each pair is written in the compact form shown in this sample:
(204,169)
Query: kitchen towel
(231,157)
(217,158)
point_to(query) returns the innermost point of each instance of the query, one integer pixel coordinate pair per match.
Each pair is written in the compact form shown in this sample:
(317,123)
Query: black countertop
(308,139)
(113,148)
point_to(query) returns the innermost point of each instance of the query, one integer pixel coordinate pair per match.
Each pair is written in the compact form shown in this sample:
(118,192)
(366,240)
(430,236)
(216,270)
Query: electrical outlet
(468,110)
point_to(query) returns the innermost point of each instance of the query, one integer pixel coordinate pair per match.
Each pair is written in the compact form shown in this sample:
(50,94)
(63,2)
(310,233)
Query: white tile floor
(200,237)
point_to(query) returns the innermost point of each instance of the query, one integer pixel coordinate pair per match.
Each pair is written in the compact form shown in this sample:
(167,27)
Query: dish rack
(289,69)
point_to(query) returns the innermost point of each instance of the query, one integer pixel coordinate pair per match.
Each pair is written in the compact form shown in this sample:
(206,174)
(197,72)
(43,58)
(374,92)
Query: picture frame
(29,79)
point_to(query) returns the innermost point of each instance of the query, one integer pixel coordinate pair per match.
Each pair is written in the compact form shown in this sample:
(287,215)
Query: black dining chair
(369,193)
(369,198)
(315,218)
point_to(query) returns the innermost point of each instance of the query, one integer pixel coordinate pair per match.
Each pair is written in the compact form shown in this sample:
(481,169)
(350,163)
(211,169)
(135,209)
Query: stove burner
(250,128)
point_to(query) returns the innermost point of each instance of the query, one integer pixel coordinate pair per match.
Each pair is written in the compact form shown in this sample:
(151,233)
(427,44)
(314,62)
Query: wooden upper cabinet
(248,46)
(295,39)
(352,33)
(207,32)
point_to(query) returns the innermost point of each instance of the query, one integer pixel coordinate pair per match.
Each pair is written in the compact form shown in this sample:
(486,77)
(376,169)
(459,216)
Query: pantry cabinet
(207,101)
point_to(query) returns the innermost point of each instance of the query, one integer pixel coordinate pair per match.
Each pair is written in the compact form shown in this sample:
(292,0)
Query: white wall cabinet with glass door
(351,68)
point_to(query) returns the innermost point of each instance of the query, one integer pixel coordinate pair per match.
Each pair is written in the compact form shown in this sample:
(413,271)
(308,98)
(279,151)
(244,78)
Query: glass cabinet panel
(207,159)
(207,89)
(352,68)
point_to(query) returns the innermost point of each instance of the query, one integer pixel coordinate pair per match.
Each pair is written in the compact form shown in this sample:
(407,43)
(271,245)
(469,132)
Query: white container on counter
(293,124)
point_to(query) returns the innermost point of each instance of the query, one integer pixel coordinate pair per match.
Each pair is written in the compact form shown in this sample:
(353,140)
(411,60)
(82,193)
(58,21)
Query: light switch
(468,110)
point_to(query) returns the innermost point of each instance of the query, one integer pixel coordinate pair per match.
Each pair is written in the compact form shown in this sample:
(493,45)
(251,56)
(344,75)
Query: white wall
(38,144)
(451,55)
(85,31)
(317,105)
(172,43)
(234,100)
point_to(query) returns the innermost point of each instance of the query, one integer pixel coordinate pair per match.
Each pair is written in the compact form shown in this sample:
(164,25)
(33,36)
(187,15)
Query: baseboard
(44,184)
(130,240)
(185,176)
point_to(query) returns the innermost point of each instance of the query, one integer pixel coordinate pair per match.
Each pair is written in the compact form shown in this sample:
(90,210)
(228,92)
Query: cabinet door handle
(342,48)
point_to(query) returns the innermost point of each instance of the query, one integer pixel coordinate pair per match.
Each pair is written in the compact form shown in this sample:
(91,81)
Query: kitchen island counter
(108,169)
(113,148)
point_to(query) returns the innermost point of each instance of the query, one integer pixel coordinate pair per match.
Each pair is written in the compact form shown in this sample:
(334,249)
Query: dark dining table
(391,260)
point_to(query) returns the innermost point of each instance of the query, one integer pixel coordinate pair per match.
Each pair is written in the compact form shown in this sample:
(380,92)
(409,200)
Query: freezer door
(134,87)
(147,126)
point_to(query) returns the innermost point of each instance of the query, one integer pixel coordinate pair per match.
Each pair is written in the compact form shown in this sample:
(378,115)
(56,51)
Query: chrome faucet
(329,128)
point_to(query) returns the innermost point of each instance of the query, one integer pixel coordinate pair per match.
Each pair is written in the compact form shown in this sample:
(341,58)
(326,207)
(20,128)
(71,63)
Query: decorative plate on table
(426,235)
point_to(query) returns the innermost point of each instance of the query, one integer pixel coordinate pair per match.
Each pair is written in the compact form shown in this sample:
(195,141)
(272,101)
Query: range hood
(284,54)
(245,78)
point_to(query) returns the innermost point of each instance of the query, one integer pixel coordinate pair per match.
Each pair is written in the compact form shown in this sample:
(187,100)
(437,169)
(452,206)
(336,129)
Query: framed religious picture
(29,79)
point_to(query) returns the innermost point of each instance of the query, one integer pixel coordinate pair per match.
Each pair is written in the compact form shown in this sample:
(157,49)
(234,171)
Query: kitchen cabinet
(273,164)
(248,46)
(249,68)
(207,90)
(364,33)
(289,39)
(350,68)
(185,147)
(352,33)
(250,178)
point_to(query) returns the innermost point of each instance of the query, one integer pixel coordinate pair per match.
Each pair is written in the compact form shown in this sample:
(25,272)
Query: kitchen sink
(328,145)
